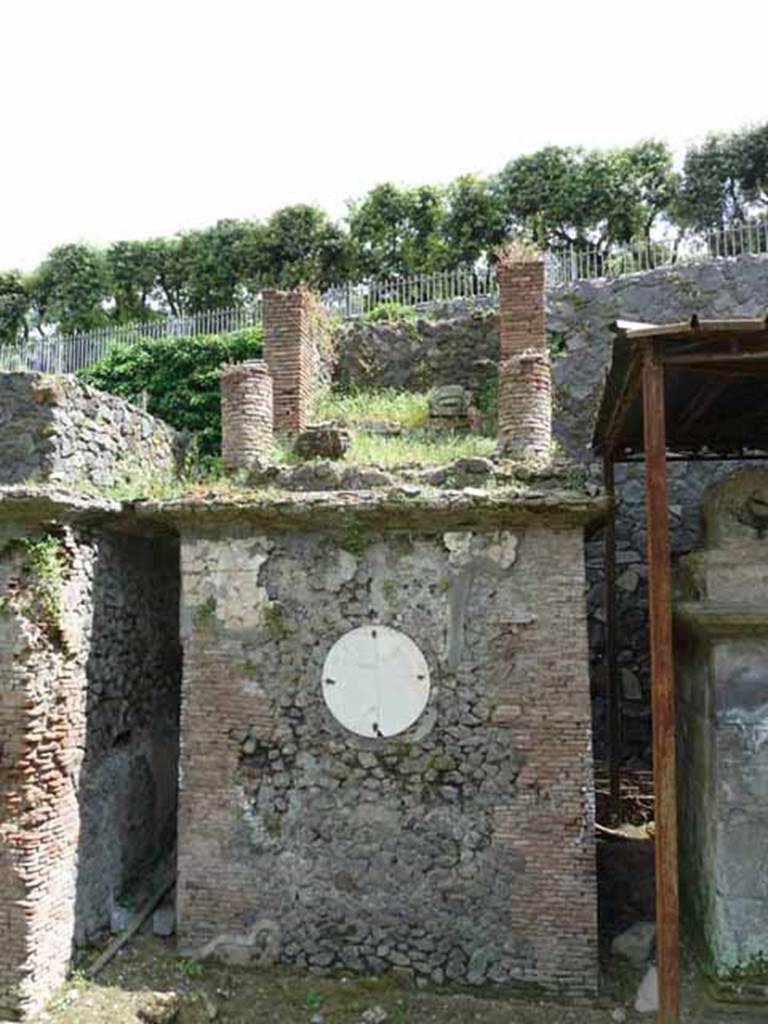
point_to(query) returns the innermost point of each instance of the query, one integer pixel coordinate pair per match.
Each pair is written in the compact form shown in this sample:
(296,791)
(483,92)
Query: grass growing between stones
(408,409)
(420,446)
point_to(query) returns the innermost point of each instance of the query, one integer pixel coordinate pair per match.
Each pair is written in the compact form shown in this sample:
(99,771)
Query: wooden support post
(662,686)
(614,693)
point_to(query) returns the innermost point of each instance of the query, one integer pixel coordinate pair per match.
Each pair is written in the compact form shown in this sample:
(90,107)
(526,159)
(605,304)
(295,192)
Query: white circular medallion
(375,681)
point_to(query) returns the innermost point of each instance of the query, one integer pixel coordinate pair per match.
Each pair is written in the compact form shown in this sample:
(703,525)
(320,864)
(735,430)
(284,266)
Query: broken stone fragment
(635,944)
(356,478)
(325,440)
(647,999)
(164,921)
(159,1008)
(450,400)
(474,465)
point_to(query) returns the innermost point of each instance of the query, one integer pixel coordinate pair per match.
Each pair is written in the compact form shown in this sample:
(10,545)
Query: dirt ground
(212,992)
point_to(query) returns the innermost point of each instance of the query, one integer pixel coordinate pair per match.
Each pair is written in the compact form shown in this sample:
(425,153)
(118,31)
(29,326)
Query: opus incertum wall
(438,820)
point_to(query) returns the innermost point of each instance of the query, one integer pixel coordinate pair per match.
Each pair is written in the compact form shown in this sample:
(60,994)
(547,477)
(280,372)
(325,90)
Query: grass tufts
(407,409)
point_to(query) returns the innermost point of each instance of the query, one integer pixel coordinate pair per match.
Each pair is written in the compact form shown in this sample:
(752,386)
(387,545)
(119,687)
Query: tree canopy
(558,196)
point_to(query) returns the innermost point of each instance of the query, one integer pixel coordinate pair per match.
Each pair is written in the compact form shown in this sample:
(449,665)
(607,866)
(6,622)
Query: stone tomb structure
(449,832)
(722,668)
(384,741)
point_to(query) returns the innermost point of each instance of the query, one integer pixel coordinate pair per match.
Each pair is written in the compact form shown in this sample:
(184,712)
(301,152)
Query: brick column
(246,413)
(290,352)
(525,376)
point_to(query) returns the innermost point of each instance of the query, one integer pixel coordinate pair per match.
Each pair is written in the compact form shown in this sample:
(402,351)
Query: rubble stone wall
(461,849)
(60,430)
(88,739)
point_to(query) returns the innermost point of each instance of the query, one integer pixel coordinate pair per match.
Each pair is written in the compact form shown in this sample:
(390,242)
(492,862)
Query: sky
(131,120)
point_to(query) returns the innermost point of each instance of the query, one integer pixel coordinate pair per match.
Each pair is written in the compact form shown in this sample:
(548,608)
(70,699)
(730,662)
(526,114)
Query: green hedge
(180,377)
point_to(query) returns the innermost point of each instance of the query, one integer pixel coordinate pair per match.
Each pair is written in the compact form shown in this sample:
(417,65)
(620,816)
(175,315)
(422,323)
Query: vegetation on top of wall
(557,196)
(407,409)
(422,447)
(390,312)
(180,377)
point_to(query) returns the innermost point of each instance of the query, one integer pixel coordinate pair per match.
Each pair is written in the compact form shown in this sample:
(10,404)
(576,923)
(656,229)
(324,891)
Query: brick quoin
(290,321)
(525,374)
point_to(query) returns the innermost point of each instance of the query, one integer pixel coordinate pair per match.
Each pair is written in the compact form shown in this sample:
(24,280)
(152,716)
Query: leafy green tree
(133,271)
(725,180)
(395,230)
(474,221)
(171,274)
(211,259)
(304,247)
(14,306)
(70,288)
(588,197)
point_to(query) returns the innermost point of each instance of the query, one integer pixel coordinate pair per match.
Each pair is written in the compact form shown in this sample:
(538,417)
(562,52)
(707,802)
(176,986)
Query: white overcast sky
(130,119)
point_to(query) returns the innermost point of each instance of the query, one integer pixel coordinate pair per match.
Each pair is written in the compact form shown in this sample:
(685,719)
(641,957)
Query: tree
(133,271)
(398,231)
(70,288)
(725,180)
(473,222)
(304,247)
(596,198)
(212,262)
(14,306)
(171,274)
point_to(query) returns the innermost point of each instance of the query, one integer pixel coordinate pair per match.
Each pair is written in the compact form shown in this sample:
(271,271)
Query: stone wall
(460,849)
(420,354)
(60,430)
(88,738)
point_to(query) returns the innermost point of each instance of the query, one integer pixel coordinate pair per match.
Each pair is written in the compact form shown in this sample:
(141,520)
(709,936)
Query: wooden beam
(662,687)
(710,358)
(631,386)
(614,692)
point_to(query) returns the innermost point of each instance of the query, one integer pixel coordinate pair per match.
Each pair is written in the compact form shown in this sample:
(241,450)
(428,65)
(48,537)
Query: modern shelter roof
(716,388)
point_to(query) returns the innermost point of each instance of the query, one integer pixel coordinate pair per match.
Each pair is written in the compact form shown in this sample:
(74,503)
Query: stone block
(322,440)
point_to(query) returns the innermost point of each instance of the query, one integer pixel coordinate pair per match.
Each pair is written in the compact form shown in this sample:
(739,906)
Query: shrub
(390,312)
(180,377)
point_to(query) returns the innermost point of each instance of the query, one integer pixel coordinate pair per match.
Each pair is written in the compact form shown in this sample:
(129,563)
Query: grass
(418,446)
(407,409)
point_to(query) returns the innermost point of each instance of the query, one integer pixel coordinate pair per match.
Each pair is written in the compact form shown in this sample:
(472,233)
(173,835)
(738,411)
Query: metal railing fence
(573,263)
(417,291)
(68,353)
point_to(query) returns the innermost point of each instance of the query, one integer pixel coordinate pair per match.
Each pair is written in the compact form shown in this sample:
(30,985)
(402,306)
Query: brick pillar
(290,352)
(246,413)
(525,375)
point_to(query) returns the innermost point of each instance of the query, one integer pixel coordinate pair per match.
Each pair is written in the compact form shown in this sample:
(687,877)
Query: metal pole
(662,686)
(614,694)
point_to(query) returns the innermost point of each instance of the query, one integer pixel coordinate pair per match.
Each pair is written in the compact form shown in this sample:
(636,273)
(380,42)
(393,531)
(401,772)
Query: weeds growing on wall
(44,564)
(180,377)
(390,312)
